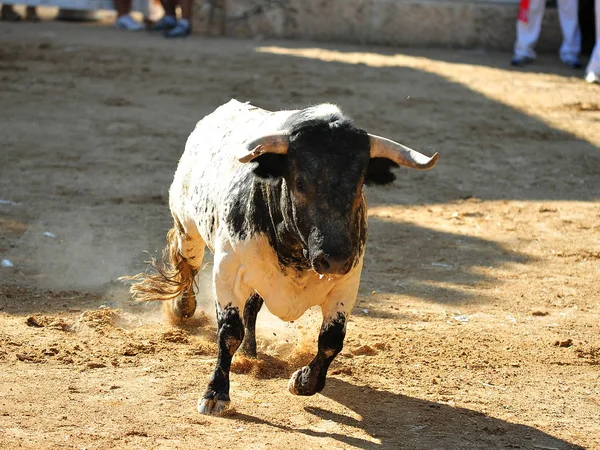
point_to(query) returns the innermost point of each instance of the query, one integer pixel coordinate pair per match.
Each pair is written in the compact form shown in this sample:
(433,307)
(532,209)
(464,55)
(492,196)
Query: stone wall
(439,23)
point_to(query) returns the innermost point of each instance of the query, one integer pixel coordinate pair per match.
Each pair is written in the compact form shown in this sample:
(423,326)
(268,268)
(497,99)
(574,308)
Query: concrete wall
(439,23)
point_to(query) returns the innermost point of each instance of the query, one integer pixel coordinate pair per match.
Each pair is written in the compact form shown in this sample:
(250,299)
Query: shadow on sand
(394,420)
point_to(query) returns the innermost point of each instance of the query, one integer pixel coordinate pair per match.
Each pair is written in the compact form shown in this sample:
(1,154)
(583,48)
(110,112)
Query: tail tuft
(172,278)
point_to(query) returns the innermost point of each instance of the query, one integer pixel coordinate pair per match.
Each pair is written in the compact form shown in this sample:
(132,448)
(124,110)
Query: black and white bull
(278,198)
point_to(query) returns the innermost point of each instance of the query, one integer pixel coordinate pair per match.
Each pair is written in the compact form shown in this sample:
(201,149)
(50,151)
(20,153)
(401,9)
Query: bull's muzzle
(325,264)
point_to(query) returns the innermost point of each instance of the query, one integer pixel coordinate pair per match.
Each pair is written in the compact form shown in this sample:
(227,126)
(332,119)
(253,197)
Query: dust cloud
(75,250)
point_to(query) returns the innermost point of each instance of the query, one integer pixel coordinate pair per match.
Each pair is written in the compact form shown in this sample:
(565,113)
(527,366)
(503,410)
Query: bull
(278,198)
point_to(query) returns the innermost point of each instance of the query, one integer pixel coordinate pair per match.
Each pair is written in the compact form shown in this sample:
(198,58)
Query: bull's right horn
(400,154)
(271,143)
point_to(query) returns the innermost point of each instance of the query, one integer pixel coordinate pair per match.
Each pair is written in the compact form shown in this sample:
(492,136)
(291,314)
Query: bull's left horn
(400,154)
(272,143)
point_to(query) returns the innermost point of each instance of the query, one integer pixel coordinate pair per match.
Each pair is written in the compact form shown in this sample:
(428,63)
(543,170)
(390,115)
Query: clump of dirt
(263,367)
(301,356)
(342,370)
(177,336)
(584,106)
(31,356)
(107,319)
(203,348)
(590,354)
(135,348)
(101,318)
(365,350)
(50,322)
(565,343)
(268,366)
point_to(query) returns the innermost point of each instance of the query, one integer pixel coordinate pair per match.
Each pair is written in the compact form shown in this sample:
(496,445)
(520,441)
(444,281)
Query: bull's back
(209,175)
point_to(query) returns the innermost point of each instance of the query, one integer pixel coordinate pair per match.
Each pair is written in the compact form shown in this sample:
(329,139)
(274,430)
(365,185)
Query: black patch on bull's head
(314,192)
(327,162)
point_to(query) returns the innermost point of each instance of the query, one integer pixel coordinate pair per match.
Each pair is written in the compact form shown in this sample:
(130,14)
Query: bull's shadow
(395,419)
(392,420)
(407,259)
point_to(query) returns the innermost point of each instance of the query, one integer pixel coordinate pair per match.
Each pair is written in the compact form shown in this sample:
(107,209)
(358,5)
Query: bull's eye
(300,186)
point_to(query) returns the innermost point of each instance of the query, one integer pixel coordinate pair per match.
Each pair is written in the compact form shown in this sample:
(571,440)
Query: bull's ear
(379,172)
(269,166)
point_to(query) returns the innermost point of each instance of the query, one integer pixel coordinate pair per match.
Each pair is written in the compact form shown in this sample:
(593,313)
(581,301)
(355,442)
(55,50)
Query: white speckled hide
(207,178)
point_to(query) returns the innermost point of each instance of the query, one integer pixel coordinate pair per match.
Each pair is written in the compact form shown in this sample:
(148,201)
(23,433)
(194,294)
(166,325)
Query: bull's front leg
(311,379)
(230,299)
(251,311)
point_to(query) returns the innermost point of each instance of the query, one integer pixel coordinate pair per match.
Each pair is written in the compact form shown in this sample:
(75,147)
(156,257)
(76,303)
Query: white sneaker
(126,22)
(592,77)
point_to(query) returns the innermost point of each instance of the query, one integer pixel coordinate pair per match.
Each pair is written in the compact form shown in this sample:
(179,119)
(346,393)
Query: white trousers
(594,64)
(529,33)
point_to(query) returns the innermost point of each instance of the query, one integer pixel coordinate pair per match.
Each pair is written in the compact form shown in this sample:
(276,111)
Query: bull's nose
(328,264)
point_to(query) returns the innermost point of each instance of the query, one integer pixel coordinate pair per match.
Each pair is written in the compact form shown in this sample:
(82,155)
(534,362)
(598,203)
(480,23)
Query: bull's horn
(272,143)
(401,155)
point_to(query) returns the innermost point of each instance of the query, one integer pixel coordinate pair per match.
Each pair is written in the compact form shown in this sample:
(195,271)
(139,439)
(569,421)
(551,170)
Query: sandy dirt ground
(477,324)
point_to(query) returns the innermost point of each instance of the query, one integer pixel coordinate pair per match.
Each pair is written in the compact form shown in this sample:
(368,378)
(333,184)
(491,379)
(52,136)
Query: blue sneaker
(572,63)
(126,22)
(165,24)
(520,61)
(182,29)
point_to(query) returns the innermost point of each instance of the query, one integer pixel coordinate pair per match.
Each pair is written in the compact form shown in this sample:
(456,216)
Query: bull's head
(324,167)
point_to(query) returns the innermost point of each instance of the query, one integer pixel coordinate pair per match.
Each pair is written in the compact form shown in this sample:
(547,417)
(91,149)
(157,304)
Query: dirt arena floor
(477,324)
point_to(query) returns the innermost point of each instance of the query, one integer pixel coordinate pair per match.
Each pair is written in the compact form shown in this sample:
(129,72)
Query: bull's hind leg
(253,305)
(183,304)
(188,254)
(174,279)
(231,295)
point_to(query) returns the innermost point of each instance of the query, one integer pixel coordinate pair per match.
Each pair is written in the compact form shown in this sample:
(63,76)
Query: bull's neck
(283,235)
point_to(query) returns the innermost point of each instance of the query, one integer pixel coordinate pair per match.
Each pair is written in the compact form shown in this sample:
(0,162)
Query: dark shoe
(573,64)
(165,24)
(520,61)
(182,29)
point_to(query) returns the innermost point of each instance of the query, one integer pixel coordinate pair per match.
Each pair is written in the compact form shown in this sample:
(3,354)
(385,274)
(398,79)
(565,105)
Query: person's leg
(569,23)
(31,14)
(593,68)
(183,27)
(123,7)
(8,13)
(186,9)
(529,25)
(169,6)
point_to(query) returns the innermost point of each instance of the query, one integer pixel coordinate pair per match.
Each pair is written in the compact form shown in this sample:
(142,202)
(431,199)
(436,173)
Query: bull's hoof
(212,406)
(183,307)
(303,382)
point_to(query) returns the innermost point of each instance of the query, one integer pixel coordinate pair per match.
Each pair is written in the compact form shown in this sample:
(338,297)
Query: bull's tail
(173,278)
